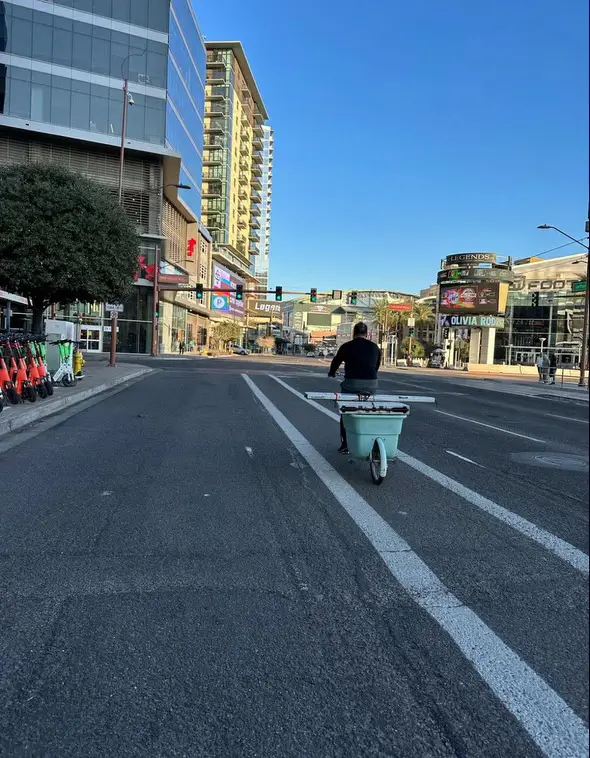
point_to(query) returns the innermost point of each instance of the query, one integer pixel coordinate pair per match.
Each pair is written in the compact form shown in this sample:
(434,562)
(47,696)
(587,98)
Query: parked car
(311,354)
(238,350)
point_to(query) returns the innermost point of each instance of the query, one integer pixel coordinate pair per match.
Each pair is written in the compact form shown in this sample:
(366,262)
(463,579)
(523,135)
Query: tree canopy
(63,238)
(227,331)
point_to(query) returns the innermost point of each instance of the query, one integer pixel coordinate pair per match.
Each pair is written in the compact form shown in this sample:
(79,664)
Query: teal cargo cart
(373,425)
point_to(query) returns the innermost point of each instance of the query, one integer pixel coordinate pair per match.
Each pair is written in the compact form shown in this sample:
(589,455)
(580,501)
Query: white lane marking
(106,493)
(491,426)
(556,545)
(463,458)
(548,719)
(250,452)
(567,418)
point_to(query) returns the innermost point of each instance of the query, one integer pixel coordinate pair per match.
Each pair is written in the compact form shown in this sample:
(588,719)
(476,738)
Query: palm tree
(423,313)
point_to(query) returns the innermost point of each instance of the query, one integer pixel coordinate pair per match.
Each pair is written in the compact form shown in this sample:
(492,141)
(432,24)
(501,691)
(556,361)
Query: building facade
(262,260)
(62,67)
(232,176)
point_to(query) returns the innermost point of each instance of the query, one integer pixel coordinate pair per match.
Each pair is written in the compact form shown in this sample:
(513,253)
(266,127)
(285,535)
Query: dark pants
(354,387)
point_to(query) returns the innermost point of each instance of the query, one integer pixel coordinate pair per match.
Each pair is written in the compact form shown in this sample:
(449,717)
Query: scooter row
(24,375)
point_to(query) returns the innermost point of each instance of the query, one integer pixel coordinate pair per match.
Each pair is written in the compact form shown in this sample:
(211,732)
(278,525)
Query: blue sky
(414,130)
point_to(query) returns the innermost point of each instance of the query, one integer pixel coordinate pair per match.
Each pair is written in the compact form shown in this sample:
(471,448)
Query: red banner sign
(400,307)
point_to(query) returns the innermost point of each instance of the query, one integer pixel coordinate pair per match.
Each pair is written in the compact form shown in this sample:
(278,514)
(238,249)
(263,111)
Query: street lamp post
(584,355)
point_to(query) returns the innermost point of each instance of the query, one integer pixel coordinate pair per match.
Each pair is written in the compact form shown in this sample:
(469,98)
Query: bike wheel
(49,386)
(41,390)
(376,462)
(68,380)
(29,393)
(12,395)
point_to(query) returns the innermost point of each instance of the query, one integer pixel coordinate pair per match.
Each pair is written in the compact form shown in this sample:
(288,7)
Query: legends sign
(471,258)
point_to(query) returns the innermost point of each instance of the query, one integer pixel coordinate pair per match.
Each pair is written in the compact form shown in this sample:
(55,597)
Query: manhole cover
(564,461)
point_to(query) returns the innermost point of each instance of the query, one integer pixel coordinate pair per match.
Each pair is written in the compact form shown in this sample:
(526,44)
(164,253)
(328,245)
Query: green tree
(417,348)
(226,332)
(423,313)
(63,238)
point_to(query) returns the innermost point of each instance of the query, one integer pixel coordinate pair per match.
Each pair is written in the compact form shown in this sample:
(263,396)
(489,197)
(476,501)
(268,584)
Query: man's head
(360,330)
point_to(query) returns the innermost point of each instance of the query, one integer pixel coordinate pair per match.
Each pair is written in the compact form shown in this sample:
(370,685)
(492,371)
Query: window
(122,10)
(62,41)
(80,105)
(82,47)
(19,102)
(139,13)
(101,50)
(42,36)
(60,104)
(20,36)
(103,7)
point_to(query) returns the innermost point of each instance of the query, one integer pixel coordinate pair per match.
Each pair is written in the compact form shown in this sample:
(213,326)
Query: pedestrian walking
(543,367)
(181,347)
(552,368)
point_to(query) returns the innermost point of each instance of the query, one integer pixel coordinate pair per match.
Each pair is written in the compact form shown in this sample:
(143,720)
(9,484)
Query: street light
(584,355)
(127,101)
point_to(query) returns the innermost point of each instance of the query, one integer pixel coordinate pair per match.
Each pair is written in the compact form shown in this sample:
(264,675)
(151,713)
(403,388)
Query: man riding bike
(361,359)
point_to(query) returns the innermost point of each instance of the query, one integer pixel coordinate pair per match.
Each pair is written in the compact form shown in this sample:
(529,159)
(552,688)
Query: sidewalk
(529,386)
(98,378)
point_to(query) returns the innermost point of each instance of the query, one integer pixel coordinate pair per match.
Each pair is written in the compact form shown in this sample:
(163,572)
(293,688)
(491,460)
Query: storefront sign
(521,284)
(400,307)
(466,274)
(465,258)
(226,302)
(170,274)
(13,298)
(448,321)
(264,308)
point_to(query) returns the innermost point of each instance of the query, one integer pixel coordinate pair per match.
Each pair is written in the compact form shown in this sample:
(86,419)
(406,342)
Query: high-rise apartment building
(62,66)
(262,261)
(233,162)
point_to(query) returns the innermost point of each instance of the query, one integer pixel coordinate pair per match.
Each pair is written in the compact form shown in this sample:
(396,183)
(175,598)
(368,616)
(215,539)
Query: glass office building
(62,67)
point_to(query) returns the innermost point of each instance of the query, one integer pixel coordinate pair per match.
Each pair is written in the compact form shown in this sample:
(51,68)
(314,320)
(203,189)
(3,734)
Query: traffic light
(239,291)
(535,299)
(353,298)
(278,294)
(191,247)
(313,295)
(411,331)
(446,333)
(199,291)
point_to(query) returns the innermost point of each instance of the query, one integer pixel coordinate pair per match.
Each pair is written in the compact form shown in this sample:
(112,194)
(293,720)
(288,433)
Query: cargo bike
(373,424)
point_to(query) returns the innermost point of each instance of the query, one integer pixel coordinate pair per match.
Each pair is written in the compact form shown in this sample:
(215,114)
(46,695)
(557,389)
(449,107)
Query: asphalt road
(190,569)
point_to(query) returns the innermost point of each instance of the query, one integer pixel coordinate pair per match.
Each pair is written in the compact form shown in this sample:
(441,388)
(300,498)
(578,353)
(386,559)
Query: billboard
(473,298)
(226,302)
(265,309)
(458,274)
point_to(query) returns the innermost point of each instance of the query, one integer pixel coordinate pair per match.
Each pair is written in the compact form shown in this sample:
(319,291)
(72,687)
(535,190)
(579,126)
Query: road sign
(118,307)
(114,314)
(411,321)
(579,286)
(550,298)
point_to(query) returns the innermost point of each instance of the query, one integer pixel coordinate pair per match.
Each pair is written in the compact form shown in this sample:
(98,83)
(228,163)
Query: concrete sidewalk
(98,378)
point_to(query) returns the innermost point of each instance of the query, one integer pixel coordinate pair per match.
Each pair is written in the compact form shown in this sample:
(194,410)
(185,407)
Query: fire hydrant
(79,363)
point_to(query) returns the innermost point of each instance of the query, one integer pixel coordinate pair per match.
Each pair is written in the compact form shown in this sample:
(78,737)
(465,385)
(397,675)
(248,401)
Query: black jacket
(361,359)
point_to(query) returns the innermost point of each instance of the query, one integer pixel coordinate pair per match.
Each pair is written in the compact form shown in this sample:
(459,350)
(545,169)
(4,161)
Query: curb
(42,411)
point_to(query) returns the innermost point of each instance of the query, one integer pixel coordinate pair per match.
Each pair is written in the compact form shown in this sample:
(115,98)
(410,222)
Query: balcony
(242,222)
(245,120)
(215,125)
(244,178)
(215,78)
(257,142)
(253,249)
(254,236)
(213,140)
(213,189)
(214,221)
(258,156)
(244,148)
(213,173)
(215,109)
(215,58)
(255,182)
(255,196)
(258,118)
(254,223)
(256,209)
(256,169)
(217,92)
(242,193)
(213,158)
